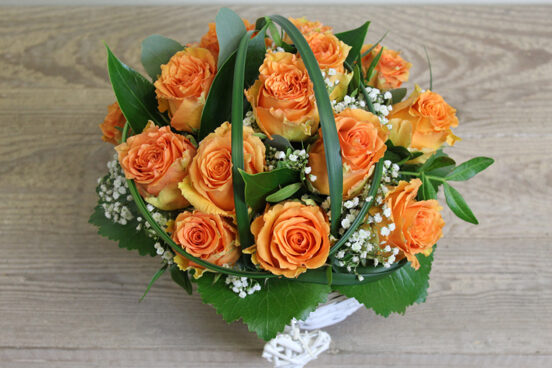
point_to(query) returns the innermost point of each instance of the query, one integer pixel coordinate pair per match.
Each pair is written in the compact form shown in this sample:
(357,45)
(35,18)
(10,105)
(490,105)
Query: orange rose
(209,237)
(209,40)
(283,99)
(183,86)
(362,140)
(390,72)
(290,238)
(330,53)
(418,224)
(157,159)
(306,26)
(209,186)
(113,124)
(423,122)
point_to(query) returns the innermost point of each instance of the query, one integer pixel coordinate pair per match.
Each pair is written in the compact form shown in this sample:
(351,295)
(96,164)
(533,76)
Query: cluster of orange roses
(172,173)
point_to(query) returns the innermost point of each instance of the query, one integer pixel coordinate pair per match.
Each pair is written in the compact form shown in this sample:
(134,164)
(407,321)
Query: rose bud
(331,53)
(209,237)
(290,238)
(418,224)
(362,140)
(157,160)
(390,72)
(283,98)
(209,185)
(113,124)
(423,122)
(183,86)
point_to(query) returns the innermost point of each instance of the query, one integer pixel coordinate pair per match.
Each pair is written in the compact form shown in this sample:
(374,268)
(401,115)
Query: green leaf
(156,51)
(427,191)
(440,166)
(458,205)
(393,293)
(218,105)
(373,65)
(242,216)
(430,71)
(332,148)
(181,278)
(153,279)
(230,29)
(284,193)
(397,95)
(256,51)
(354,85)
(258,186)
(135,94)
(355,39)
(279,143)
(374,45)
(126,235)
(267,311)
(470,168)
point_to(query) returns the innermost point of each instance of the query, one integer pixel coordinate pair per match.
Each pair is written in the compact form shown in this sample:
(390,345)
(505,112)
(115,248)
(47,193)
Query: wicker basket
(336,309)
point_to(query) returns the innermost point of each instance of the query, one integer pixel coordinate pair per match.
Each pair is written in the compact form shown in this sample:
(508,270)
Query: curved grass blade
(153,279)
(374,45)
(373,65)
(329,131)
(242,216)
(135,94)
(430,71)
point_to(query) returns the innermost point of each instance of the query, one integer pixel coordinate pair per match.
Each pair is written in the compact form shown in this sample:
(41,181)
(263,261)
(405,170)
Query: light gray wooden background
(69,298)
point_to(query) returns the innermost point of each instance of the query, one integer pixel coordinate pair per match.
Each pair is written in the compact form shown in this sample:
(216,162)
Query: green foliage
(135,94)
(355,39)
(284,193)
(393,293)
(427,191)
(332,148)
(430,71)
(258,186)
(181,278)
(458,205)
(399,154)
(230,29)
(374,45)
(373,64)
(397,95)
(155,277)
(156,51)
(278,142)
(267,311)
(126,235)
(469,168)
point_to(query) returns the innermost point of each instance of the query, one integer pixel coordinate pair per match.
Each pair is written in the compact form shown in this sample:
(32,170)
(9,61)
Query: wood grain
(69,298)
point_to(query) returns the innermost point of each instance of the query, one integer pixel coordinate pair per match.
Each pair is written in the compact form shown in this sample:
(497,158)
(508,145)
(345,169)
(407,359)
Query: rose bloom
(209,237)
(290,238)
(157,160)
(418,224)
(209,186)
(209,40)
(113,120)
(390,72)
(283,98)
(362,140)
(183,86)
(306,26)
(331,53)
(423,122)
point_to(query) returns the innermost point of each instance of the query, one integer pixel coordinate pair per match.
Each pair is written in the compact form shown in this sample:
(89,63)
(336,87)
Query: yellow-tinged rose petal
(198,201)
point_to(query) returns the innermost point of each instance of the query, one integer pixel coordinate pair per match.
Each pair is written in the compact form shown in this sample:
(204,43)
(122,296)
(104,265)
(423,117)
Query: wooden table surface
(69,298)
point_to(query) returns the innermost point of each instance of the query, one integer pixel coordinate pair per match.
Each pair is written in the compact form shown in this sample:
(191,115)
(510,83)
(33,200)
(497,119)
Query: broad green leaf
(258,186)
(181,278)
(355,39)
(470,168)
(332,148)
(135,94)
(267,311)
(393,293)
(458,205)
(126,235)
(397,95)
(218,105)
(278,142)
(230,29)
(440,166)
(153,279)
(242,216)
(256,51)
(156,51)
(427,191)
(284,193)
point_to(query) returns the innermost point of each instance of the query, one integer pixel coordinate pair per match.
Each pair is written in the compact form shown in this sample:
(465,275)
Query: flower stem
(431,177)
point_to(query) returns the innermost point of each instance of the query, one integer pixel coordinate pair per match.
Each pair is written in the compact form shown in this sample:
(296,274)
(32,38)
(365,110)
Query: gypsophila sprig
(242,286)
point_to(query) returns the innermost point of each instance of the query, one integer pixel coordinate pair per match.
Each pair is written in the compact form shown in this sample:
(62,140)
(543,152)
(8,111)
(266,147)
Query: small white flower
(332,71)
(308,170)
(384,231)
(388,95)
(293,157)
(312,177)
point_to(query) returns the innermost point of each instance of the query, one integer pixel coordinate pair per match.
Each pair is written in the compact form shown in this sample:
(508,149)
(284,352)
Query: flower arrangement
(273,163)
